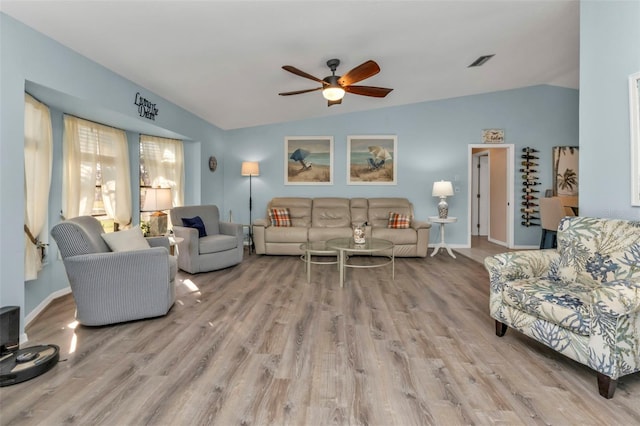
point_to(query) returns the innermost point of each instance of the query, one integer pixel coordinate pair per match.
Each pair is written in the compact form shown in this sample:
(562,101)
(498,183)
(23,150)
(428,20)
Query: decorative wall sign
(146,109)
(492,135)
(308,160)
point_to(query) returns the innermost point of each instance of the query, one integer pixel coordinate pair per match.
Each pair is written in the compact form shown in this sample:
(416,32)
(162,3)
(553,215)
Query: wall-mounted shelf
(529,205)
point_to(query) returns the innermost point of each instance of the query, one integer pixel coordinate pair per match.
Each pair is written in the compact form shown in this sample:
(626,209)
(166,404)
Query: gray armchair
(111,287)
(220,248)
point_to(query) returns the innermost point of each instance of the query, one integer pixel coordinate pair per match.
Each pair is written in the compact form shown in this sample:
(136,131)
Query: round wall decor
(213,163)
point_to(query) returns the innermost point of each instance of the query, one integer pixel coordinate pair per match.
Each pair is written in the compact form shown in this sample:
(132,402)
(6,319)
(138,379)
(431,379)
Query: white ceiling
(222,60)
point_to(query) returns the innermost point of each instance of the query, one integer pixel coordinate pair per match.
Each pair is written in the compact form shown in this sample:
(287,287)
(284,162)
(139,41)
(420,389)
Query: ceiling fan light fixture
(333,93)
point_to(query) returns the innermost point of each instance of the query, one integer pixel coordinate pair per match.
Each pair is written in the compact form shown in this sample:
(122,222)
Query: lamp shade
(250,168)
(442,189)
(156,199)
(333,91)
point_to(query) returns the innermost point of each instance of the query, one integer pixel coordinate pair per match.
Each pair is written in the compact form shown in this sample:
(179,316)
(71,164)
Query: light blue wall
(609,53)
(72,83)
(433,139)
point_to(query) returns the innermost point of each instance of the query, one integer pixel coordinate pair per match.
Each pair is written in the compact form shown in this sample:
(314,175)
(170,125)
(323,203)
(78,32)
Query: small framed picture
(308,160)
(492,135)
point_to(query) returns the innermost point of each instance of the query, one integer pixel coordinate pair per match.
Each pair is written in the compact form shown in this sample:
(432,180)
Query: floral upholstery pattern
(581,299)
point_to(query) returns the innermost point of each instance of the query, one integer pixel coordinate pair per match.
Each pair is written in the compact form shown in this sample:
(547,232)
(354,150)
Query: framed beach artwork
(308,160)
(565,171)
(372,160)
(634,118)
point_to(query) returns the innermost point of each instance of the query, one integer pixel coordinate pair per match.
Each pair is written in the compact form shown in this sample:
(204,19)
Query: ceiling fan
(334,86)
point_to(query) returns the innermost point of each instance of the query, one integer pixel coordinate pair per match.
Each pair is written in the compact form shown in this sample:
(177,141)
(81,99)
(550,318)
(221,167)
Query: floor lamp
(250,168)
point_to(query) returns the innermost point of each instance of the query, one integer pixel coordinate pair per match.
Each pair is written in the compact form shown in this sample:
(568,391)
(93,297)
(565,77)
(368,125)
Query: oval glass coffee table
(346,247)
(316,248)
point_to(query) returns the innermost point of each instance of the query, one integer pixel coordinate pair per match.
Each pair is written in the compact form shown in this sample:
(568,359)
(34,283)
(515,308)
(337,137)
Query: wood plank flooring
(256,345)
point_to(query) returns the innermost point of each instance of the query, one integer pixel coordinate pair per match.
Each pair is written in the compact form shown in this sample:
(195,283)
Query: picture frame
(492,135)
(372,160)
(308,160)
(565,171)
(634,122)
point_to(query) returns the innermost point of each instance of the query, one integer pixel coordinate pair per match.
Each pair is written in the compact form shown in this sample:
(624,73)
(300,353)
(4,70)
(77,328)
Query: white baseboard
(36,311)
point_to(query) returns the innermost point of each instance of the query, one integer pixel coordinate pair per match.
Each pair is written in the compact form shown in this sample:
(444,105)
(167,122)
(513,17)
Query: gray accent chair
(112,287)
(221,248)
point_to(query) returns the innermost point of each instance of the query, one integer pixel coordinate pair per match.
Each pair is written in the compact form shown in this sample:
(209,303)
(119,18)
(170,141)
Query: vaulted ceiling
(221,60)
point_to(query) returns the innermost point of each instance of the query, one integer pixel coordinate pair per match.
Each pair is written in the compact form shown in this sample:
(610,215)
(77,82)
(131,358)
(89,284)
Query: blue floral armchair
(581,299)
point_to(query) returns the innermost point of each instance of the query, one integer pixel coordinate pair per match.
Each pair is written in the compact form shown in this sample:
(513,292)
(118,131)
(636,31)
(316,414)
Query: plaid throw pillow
(279,217)
(398,221)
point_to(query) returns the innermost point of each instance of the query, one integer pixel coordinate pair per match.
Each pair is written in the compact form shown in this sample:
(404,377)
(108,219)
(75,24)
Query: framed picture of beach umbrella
(372,160)
(308,160)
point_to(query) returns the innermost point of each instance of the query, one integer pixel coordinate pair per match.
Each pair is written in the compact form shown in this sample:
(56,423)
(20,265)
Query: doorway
(491,197)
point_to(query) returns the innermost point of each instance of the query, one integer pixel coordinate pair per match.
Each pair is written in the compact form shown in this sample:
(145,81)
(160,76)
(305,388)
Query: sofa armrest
(614,348)
(519,264)
(259,238)
(234,229)
(188,248)
(158,242)
(616,298)
(417,224)
(265,223)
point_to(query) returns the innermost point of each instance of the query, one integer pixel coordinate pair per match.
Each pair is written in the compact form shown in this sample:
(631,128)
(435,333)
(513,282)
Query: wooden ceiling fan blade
(376,92)
(359,73)
(300,73)
(297,92)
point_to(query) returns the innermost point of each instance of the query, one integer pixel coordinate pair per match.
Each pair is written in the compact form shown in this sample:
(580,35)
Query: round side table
(442,244)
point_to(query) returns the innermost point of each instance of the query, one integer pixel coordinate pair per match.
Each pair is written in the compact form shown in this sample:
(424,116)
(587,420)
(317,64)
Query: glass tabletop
(371,244)
(316,246)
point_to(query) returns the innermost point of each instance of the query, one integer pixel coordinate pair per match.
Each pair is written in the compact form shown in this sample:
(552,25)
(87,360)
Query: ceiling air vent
(481,61)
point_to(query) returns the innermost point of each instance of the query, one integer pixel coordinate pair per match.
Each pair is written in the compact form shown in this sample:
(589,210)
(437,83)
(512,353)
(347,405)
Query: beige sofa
(321,219)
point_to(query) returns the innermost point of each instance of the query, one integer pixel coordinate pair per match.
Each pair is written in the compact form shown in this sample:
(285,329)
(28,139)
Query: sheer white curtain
(95,154)
(37,180)
(164,163)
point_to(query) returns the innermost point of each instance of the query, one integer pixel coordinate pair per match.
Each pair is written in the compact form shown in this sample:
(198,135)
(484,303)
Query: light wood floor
(256,345)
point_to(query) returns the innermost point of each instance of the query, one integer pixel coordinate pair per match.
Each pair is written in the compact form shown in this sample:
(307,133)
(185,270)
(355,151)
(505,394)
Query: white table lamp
(442,189)
(156,200)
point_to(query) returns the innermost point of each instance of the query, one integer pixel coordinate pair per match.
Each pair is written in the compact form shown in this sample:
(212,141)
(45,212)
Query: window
(161,166)
(96,173)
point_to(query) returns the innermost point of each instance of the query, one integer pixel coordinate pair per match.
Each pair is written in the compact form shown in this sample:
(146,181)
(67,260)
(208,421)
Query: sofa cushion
(359,209)
(379,209)
(196,223)
(280,217)
(398,221)
(299,209)
(217,243)
(293,234)
(324,234)
(129,239)
(564,304)
(397,236)
(330,213)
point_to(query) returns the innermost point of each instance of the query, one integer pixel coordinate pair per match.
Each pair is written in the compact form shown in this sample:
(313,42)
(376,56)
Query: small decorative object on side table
(442,244)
